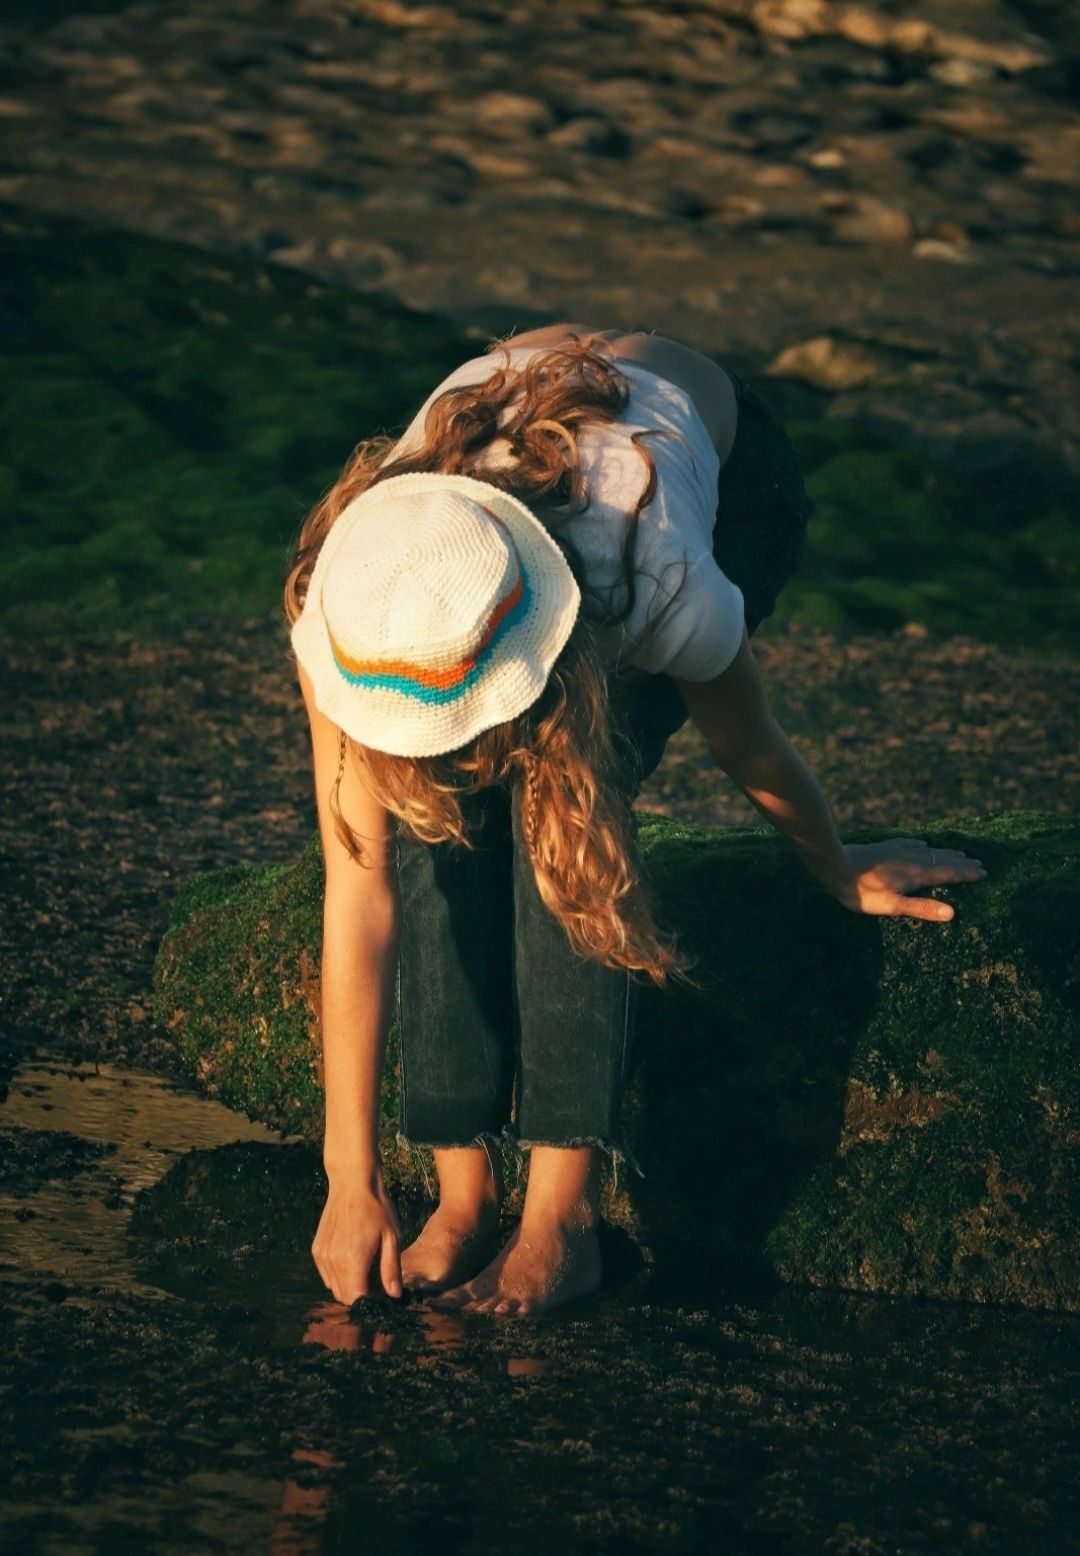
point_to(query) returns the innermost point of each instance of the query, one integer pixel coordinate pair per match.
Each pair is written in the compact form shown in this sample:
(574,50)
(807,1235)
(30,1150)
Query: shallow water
(177,1381)
(81,1142)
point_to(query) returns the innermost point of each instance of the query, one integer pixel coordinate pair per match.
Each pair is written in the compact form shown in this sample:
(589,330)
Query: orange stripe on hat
(424,675)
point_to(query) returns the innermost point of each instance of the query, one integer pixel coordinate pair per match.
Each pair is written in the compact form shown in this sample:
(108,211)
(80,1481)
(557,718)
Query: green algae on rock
(902,535)
(212,397)
(243,385)
(867,1103)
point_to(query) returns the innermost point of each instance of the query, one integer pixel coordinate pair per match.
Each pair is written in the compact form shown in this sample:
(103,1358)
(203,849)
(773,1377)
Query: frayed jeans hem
(494,1135)
(507,1135)
(448,1145)
(616,1153)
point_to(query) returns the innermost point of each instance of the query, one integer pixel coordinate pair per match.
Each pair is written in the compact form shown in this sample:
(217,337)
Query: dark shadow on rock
(865,1103)
(738,1090)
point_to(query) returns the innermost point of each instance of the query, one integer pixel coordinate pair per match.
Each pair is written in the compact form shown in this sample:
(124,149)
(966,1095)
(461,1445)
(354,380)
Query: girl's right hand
(358,1229)
(883,875)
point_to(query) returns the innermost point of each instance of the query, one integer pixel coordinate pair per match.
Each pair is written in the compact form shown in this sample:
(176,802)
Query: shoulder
(705,382)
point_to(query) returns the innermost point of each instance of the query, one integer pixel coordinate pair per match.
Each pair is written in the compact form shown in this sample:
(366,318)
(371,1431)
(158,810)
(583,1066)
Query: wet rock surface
(748,175)
(188,1386)
(209,1425)
(35,1157)
(203,1395)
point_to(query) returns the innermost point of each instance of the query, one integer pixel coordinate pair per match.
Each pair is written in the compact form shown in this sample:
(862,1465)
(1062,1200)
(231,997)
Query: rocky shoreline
(876,201)
(879,201)
(165,757)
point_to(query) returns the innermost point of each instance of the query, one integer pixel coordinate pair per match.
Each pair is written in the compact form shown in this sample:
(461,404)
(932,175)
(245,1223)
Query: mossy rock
(881,1104)
(902,535)
(213,397)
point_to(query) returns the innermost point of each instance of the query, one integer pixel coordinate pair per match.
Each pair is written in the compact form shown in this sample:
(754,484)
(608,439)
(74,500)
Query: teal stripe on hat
(437,694)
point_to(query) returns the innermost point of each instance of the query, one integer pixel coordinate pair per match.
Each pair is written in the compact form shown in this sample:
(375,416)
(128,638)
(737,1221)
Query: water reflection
(308,1497)
(298,1527)
(441,1331)
(332,1327)
(525,1367)
(674,1426)
(79,1143)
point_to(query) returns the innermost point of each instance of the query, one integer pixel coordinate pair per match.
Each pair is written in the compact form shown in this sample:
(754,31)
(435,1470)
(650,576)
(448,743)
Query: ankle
(563,1191)
(579,1219)
(479,1203)
(470,1183)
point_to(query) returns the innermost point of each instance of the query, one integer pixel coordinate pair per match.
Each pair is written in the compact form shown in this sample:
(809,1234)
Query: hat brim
(511,671)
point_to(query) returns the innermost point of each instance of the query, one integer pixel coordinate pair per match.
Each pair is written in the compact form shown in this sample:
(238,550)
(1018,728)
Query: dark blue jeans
(504,1029)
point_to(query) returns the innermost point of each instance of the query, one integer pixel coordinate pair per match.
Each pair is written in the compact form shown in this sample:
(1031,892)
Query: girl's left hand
(882,875)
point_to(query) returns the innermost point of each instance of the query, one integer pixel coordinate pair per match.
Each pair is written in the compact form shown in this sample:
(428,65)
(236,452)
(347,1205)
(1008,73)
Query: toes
(415,1280)
(450,1300)
(514,1307)
(426,1284)
(486,1302)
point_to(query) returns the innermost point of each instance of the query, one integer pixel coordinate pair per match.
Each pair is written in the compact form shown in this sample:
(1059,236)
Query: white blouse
(701,633)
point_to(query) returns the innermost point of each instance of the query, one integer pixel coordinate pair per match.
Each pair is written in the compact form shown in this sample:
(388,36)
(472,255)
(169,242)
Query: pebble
(509,113)
(829,363)
(940,248)
(868,220)
(962,73)
(593,135)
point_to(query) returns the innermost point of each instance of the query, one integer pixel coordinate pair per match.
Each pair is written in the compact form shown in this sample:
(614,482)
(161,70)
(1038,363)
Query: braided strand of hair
(531,810)
(335,801)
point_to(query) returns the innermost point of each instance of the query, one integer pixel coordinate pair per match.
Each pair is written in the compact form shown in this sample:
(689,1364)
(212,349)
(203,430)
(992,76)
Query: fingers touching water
(356,1247)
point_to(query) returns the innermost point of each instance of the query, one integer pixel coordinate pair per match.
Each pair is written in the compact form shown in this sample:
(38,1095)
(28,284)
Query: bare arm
(361,919)
(733,714)
(358,975)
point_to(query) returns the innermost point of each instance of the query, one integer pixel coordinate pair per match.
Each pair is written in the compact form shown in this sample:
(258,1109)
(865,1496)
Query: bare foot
(453,1245)
(540,1267)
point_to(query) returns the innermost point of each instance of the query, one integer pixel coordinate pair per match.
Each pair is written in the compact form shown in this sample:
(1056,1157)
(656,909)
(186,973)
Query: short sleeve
(700,634)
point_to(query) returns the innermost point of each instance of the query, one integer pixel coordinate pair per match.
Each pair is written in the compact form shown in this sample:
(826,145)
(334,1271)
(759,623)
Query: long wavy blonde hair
(561,755)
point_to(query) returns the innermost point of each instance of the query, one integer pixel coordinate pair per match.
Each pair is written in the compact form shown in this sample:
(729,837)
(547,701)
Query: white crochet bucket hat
(436,609)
